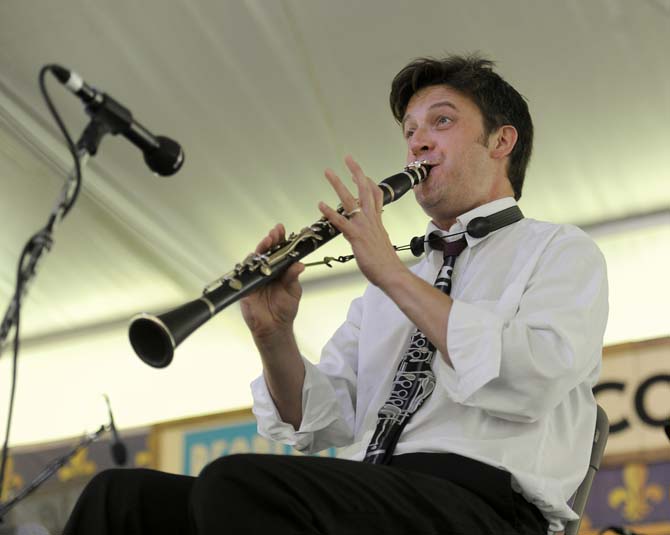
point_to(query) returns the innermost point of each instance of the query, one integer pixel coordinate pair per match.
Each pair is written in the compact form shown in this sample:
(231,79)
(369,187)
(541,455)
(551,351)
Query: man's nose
(420,142)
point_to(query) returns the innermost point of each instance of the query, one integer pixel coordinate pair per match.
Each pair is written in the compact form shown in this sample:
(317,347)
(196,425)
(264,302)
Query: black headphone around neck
(477,228)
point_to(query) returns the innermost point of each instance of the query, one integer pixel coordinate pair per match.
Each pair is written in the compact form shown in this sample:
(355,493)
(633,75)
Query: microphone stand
(87,145)
(51,469)
(40,242)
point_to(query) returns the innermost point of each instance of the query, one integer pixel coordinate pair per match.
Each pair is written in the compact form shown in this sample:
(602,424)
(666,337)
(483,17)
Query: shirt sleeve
(328,395)
(520,365)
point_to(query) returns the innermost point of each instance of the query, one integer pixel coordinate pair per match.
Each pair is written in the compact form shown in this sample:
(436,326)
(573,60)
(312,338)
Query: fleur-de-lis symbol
(635,494)
(144,458)
(12,480)
(79,465)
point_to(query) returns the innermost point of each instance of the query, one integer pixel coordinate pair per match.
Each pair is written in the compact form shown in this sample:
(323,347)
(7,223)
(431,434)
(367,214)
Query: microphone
(119,451)
(163,155)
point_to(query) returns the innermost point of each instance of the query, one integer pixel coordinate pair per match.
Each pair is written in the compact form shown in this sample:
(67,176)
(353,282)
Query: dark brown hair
(499,103)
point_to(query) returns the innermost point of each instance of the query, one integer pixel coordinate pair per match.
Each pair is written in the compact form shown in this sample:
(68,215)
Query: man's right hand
(269,311)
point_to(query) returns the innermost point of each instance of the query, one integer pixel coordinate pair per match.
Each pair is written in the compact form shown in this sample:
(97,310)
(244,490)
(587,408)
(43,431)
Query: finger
(292,273)
(348,201)
(337,220)
(378,195)
(263,245)
(276,235)
(290,279)
(365,194)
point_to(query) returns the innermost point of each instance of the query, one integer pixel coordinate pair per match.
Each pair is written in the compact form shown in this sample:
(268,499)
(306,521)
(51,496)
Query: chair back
(597,450)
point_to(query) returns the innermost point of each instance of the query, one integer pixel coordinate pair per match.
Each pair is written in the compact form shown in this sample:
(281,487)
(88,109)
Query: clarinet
(155,337)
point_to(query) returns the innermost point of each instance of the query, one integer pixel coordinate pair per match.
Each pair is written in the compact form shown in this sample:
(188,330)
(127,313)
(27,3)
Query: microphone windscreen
(61,73)
(119,453)
(167,159)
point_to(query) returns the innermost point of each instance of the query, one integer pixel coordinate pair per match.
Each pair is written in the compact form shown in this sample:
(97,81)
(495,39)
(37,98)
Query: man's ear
(503,141)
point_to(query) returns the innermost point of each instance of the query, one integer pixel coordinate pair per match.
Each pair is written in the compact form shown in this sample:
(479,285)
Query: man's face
(446,128)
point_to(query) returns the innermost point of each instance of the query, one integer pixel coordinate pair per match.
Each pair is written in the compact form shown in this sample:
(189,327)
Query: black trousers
(418,494)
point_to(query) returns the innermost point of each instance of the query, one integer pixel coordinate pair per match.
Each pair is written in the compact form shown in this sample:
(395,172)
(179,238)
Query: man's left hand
(363,228)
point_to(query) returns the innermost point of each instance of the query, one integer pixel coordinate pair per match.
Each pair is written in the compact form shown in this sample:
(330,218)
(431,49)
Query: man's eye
(443,119)
(408,133)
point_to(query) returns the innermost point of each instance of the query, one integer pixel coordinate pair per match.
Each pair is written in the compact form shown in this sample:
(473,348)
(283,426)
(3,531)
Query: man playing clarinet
(460,388)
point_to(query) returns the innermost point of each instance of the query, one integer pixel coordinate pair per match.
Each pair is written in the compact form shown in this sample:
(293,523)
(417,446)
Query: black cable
(70,143)
(32,250)
(421,239)
(16,320)
(416,241)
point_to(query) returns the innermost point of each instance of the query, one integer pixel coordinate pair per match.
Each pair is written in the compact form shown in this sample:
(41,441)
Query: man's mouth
(432,169)
(432,164)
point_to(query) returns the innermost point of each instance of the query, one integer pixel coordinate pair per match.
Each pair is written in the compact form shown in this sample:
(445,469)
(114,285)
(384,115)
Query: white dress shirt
(525,337)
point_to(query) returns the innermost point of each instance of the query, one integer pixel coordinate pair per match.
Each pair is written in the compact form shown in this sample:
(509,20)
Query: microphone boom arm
(51,469)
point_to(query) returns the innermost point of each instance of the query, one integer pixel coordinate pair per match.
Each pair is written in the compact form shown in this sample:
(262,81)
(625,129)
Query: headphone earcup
(479,227)
(416,245)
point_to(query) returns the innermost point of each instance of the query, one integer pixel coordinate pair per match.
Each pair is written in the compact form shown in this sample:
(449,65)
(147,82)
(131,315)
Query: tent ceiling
(264,95)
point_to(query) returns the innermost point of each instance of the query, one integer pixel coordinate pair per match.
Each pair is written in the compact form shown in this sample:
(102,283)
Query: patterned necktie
(414,381)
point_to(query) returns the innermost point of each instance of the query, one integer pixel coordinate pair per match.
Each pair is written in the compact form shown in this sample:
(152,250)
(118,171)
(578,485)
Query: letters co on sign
(645,409)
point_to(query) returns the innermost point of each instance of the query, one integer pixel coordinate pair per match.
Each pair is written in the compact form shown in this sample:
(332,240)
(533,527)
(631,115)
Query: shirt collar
(462,222)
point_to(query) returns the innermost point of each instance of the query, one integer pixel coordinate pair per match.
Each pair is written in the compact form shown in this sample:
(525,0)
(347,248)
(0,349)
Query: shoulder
(557,233)
(564,243)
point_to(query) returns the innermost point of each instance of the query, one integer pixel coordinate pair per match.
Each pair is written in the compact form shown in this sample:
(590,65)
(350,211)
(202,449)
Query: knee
(115,483)
(225,473)
(103,482)
(231,476)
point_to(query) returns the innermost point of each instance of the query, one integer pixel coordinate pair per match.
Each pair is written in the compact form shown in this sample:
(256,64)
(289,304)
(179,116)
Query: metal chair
(581,496)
